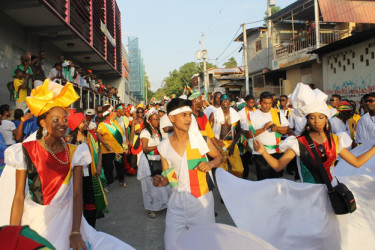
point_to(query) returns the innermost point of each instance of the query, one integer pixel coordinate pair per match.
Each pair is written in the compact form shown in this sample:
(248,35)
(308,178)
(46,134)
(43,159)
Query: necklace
(54,156)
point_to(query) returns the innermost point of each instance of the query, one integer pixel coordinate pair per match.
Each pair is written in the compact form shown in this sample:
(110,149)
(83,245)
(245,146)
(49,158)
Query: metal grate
(80,17)
(59,6)
(118,39)
(98,17)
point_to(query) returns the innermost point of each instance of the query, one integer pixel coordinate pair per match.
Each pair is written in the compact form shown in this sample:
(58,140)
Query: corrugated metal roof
(343,11)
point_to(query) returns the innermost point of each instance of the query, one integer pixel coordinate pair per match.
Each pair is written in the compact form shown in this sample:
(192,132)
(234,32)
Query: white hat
(89,112)
(306,101)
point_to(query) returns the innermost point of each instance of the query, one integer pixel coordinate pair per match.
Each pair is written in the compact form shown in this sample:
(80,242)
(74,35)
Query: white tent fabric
(292,215)
(219,237)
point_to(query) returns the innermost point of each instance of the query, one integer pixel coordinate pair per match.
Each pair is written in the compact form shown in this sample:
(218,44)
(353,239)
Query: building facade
(136,70)
(86,32)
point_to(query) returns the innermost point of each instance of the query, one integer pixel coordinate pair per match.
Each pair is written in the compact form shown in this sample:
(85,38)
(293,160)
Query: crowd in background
(30,74)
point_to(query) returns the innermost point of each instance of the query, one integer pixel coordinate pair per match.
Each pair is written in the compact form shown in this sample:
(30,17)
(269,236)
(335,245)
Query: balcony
(306,41)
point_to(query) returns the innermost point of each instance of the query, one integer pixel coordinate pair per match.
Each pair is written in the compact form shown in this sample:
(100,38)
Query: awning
(344,11)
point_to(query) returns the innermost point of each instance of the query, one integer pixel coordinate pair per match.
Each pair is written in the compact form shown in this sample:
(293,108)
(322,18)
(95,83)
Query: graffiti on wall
(353,89)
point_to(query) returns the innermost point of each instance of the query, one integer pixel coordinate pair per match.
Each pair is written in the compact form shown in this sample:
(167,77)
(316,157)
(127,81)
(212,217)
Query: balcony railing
(307,40)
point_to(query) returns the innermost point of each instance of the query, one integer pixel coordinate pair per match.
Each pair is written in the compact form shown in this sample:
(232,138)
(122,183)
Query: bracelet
(22,119)
(74,233)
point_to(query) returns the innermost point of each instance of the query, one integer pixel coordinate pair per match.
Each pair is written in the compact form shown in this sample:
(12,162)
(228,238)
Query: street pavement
(128,221)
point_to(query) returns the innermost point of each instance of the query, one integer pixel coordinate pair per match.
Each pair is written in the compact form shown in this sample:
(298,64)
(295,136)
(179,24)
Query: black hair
(338,96)
(265,95)
(176,103)
(372,94)
(18,113)
(249,97)
(57,64)
(74,134)
(284,96)
(148,126)
(216,94)
(4,108)
(328,131)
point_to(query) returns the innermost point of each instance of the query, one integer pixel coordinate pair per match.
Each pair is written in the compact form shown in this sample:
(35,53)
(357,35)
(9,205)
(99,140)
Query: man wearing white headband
(186,168)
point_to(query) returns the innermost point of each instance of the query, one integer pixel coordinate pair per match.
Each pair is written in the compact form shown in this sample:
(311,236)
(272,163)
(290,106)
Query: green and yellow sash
(100,198)
(275,115)
(116,133)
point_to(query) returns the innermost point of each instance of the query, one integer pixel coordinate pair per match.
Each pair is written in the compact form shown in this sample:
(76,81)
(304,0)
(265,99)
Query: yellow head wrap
(50,95)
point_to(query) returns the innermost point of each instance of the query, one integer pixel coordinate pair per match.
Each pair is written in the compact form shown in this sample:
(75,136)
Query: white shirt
(338,126)
(297,123)
(286,112)
(152,141)
(365,129)
(6,130)
(259,119)
(165,122)
(209,110)
(92,125)
(243,119)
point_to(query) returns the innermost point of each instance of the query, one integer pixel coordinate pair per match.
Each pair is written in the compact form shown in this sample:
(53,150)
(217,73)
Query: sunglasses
(140,111)
(370,101)
(323,153)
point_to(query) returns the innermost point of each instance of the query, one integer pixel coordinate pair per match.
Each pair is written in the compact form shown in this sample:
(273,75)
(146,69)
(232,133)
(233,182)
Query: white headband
(180,110)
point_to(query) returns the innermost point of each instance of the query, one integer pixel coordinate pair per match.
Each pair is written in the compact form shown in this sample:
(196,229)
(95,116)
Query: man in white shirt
(366,125)
(340,123)
(216,104)
(269,125)
(247,131)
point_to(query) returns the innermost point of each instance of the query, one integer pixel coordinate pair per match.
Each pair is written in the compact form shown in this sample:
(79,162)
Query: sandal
(151,214)
(123,184)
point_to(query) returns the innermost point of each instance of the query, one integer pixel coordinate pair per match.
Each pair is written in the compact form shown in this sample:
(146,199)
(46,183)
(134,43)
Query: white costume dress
(52,221)
(293,215)
(154,199)
(184,210)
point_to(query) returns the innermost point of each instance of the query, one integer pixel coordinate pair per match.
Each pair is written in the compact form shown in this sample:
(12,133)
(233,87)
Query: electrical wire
(229,43)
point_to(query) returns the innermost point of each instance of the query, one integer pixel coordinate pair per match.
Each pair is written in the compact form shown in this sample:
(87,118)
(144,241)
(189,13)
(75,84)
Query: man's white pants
(185,211)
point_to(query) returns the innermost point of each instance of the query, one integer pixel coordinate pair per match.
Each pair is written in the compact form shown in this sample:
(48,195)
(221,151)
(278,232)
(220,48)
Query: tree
(178,79)
(274,10)
(231,63)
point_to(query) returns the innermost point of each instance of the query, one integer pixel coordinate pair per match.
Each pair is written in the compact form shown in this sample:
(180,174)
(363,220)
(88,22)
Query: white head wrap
(306,101)
(196,139)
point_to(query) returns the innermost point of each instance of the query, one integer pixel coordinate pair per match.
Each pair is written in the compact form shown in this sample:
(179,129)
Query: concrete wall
(14,43)
(310,73)
(341,78)
(257,61)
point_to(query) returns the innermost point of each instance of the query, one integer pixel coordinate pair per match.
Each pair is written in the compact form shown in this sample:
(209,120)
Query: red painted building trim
(67,11)
(91,25)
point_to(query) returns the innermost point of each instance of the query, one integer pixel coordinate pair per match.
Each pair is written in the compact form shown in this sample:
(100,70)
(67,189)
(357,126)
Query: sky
(169,31)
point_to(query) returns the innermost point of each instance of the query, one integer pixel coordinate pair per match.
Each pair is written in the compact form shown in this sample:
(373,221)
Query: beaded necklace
(67,154)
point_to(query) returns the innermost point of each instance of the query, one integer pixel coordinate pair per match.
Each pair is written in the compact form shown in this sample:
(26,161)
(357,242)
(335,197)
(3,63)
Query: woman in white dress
(293,215)
(154,199)
(46,197)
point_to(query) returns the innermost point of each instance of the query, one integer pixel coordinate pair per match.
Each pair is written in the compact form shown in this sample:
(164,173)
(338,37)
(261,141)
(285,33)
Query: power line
(229,43)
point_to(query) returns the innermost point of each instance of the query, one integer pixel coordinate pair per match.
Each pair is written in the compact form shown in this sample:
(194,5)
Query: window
(258,46)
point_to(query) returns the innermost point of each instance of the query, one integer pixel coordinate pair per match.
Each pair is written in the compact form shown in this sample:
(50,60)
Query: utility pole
(245,60)
(317,24)
(204,52)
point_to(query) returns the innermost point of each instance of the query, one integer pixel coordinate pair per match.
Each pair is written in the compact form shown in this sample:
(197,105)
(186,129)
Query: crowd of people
(30,74)
(171,146)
